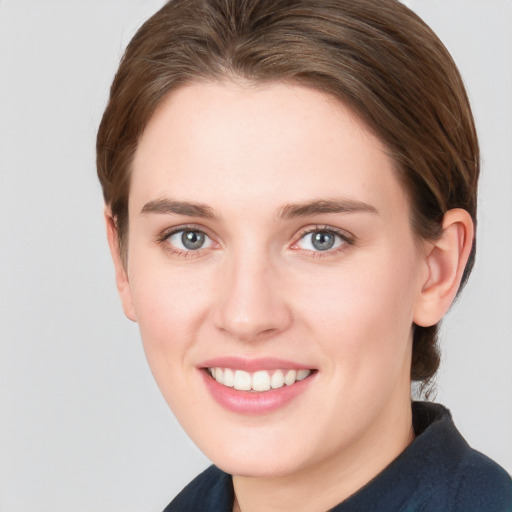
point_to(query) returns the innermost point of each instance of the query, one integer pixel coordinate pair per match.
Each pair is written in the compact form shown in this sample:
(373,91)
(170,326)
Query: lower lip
(247,402)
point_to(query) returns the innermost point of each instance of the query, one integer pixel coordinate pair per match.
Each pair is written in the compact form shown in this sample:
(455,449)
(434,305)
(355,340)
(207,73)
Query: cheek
(170,306)
(363,314)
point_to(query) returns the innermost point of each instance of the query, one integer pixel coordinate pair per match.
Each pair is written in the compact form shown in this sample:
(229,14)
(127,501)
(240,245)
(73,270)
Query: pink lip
(247,402)
(252,365)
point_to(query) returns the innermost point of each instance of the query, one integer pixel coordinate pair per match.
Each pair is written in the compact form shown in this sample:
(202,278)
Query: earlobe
(446,260)
(122,282)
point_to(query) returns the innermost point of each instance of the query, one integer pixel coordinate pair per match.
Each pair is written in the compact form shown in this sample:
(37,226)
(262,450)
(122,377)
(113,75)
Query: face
(274,275)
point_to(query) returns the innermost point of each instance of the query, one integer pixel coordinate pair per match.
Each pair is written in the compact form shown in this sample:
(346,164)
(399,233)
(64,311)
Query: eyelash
(163,239)
(346,240)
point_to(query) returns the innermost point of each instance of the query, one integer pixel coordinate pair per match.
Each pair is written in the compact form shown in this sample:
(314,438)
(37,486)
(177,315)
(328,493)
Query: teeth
(277,380)
(242,380)
(290,377)
(229,378)
(261,380)
(302,374)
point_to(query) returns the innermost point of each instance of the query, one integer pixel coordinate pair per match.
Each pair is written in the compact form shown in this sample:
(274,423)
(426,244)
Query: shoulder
(482,485)
(211,491)
(456,477)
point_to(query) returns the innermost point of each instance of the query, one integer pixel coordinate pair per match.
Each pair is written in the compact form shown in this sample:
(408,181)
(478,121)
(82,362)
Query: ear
(446,259)
(123,284)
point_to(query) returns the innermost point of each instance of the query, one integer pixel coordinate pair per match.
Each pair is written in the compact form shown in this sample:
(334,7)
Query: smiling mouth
(259,381)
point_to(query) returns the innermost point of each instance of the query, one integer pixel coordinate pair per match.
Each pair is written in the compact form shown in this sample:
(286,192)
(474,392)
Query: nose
(251,301)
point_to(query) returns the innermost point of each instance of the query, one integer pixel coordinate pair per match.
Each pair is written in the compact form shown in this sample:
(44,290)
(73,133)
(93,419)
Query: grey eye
(189,240)
(321,240)
(192,240)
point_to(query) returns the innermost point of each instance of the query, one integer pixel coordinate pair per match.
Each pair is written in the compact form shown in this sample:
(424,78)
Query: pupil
(192,239)
(322,240)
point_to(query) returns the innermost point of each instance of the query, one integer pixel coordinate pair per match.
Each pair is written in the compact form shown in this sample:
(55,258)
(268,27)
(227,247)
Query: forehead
(236,143)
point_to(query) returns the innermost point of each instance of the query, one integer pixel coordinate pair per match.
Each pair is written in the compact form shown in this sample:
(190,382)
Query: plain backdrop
(82,425)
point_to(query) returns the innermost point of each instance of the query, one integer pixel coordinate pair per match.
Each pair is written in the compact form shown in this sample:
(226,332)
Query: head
(379,59)
(374,60)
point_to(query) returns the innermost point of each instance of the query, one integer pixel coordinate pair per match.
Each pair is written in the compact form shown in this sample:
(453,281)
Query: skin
(258,288)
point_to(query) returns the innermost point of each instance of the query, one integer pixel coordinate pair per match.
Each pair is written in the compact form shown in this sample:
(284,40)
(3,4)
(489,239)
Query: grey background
(82,425)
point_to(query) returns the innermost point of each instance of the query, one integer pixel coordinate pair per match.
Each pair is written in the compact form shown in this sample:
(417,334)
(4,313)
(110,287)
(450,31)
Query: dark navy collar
(437,472)
(413,477)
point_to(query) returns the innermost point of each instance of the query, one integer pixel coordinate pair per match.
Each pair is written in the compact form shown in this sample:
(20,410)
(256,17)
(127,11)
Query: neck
(321,487)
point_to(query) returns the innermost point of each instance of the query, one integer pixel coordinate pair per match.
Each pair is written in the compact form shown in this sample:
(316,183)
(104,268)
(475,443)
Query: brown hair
(376,56)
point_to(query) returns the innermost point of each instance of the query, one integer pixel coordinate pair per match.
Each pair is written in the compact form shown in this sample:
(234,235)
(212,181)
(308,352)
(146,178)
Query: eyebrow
(292,211)
(170,206)
(289,211)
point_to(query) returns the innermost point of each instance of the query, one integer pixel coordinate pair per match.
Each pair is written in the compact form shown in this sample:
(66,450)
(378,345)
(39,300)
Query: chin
(255,453)
(257,467)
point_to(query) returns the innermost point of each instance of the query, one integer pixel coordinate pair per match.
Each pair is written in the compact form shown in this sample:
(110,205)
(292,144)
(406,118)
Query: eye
(321,240)
(189,240)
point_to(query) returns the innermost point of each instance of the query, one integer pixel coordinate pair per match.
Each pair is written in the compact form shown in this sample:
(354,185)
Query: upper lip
(253,364)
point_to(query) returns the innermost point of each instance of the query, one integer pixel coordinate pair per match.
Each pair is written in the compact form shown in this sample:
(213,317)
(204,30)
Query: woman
(290,192)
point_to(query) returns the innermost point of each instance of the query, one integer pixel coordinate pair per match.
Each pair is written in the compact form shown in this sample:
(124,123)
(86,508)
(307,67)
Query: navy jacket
(438,472)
